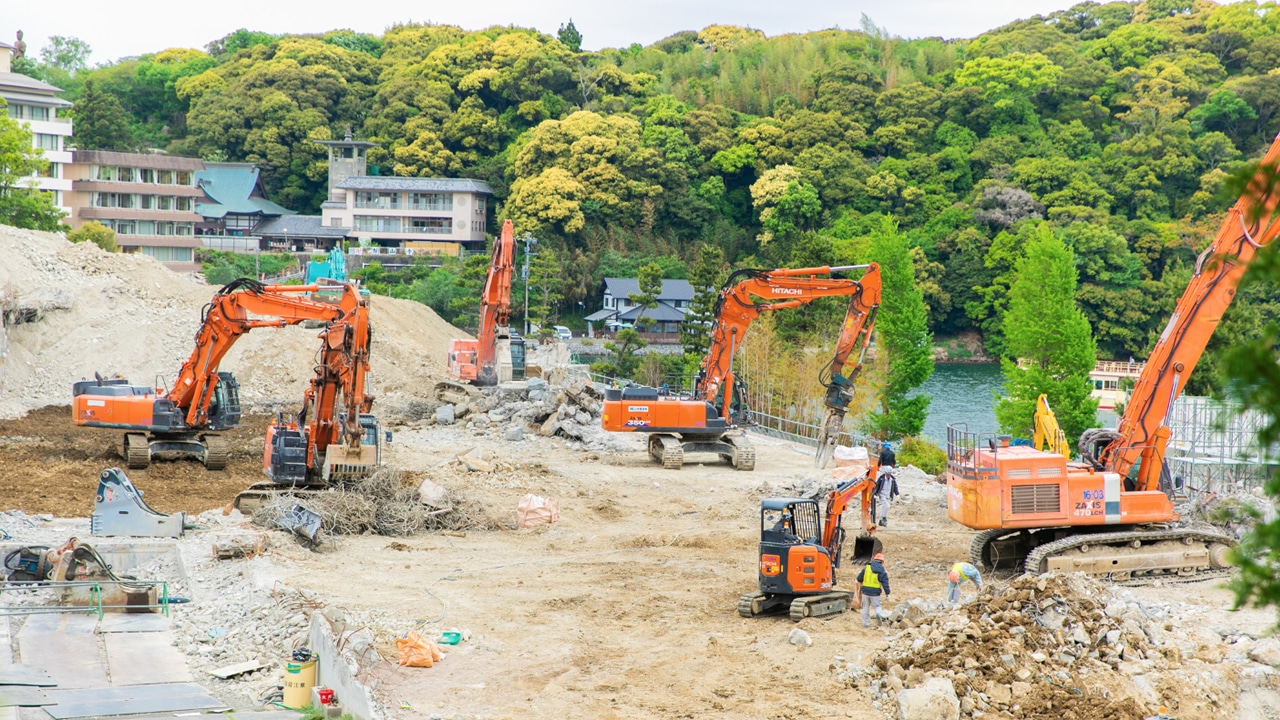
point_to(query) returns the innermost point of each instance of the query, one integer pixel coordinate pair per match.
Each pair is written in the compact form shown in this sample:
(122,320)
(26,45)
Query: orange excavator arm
(340,376)
(779,290)
(1143,431)
(226,318)
(838,500)
(495,302)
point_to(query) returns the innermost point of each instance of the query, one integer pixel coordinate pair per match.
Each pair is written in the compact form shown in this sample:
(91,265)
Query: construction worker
(886,491)
(872,581)
(887,458)
(960,572)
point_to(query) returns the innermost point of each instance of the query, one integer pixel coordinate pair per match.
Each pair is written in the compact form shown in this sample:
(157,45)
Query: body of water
(962,392)
(966,392)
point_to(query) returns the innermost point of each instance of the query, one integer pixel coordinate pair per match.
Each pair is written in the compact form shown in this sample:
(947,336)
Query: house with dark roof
(235,203)
(401,212)
(663,320)
(298,233)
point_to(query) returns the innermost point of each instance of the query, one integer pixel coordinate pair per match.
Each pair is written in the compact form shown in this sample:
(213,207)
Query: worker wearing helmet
(960,572)
(873,582)
(886,484)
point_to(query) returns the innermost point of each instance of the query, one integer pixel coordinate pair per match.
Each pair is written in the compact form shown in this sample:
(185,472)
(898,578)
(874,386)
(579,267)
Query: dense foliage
(21,205)
(1113,123)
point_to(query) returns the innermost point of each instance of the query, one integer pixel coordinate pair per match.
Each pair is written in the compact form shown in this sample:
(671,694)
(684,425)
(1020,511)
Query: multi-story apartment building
(394,211)
(148,199)
(36,105)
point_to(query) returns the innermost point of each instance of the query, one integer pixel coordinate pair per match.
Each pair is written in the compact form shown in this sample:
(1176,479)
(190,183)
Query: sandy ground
(627,606)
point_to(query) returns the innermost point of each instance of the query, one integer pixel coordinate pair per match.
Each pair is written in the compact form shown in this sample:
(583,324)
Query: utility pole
(529,240)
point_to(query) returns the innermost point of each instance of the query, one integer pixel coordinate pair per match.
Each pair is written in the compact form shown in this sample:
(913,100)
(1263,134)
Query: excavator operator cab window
(777,521)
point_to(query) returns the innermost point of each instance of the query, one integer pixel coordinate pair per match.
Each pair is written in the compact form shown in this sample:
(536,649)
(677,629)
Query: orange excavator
(495,356)
(705,421)
(800,551)
(335,438)
(184,420)
(1112,515)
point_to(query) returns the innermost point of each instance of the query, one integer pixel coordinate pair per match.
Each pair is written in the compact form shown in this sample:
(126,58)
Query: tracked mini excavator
(800,551)
(185,420)
(705,422)
(497,355)
(1112,514)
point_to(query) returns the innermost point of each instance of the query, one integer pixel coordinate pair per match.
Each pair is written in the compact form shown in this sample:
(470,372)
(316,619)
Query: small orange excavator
(184,420)
(703,423)
(495,356)
(1112,515)
(800,551)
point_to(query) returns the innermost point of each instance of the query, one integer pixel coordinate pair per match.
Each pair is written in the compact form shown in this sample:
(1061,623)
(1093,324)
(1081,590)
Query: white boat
(1108,378)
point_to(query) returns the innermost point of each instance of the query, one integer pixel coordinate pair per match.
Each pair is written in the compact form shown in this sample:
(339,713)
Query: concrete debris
(240,546)
(445,415)
(514,409)
(799,638)
(934,700)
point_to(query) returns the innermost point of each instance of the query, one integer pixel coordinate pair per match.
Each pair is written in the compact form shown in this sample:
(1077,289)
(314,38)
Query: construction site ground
(624,608)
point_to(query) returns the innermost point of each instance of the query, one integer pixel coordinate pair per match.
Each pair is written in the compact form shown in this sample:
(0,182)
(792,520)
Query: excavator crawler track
(666,449)
(979,556)
(137,451)
(215,452)
(1173,555)
(744,453)
(820,605)
(454,393)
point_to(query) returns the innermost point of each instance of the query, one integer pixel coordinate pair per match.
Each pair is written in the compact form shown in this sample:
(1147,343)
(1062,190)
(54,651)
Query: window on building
(378,200)
(147,202)
(377,224)
(164,202)
(125,174)
(48,142)
(16,111)
(50,170)
(146,227)
(430,201)
(434,226)
(164,177)
(346,153)
(146,175)
(103,174)
(234,221)
(479,205)
(183,177)
(164,228)
(184,229)
(336,222)
(168,254)
(182,204)
(126,227)
(37,113)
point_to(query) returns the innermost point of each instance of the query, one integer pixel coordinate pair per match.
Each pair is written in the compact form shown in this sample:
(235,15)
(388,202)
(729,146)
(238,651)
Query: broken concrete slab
(228,671)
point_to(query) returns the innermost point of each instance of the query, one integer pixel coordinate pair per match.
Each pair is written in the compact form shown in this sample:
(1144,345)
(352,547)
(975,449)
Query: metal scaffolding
(1213,446)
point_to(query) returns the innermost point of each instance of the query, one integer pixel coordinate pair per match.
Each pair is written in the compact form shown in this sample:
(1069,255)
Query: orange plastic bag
(417,651)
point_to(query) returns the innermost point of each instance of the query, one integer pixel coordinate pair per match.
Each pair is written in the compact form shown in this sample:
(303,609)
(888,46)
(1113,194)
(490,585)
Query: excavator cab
(224,408)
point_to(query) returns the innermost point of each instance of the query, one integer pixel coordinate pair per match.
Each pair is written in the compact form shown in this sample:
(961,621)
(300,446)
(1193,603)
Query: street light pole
(528,241)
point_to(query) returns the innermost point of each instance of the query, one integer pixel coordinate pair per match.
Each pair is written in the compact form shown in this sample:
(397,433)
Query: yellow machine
(1049,435)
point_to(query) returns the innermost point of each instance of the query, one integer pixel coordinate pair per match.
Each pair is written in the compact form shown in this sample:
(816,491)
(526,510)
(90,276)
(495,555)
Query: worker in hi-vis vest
(873,583)
(960,572)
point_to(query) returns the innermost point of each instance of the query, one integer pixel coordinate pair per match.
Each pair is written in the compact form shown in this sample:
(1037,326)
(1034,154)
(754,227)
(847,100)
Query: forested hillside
(1115,123)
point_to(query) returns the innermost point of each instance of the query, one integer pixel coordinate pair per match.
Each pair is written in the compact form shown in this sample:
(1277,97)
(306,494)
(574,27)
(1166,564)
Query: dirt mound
(75,310)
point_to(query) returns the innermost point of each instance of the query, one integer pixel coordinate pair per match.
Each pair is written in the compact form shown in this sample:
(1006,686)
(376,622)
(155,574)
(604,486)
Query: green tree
(101,122)
(650,282)
(96,233)
(546,278)
(21,204)
(569,35)
(706,276)
(623,360)
(437,290)
(903,335)
(1049,347)
(67,54)
(464,308)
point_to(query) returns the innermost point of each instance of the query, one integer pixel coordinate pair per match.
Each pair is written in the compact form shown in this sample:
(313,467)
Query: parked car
(563,332)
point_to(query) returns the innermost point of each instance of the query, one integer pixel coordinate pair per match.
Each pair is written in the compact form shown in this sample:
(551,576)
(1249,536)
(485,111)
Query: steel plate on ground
(131,623)
(25,675)
(24,697)
(65,645)
(145,659)
(135,700)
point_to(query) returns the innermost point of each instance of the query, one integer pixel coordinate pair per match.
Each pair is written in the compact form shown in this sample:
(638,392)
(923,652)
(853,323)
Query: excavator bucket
(343,463)
(863,547)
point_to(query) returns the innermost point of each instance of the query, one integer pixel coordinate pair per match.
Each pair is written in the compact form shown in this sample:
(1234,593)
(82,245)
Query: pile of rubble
(1049,647)
(516,409)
